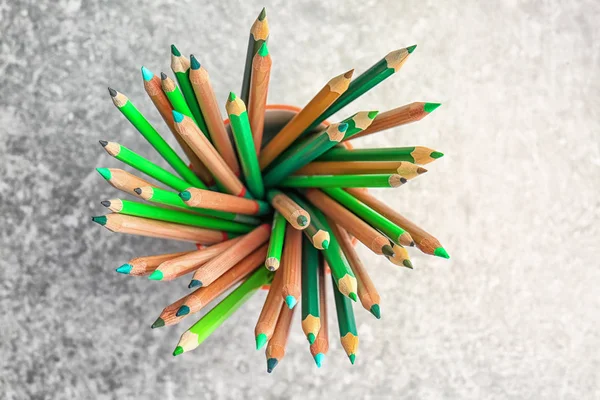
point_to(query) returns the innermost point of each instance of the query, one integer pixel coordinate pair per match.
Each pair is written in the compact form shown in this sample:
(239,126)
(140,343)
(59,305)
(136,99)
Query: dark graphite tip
(194,283)
(403,180)
(262,15)
(158,323)
(112,92)
(387,250)
(302,220)
(105,203)
(138,190)
(163,76)
(104,143)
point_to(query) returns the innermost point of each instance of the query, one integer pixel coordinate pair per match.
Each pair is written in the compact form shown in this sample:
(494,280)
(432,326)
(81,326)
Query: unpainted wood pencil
(208,199)
(259,35)
(291,211)
(123,180)
(291,263)
(265,326)
(142,266)
(276,347)
(259,89)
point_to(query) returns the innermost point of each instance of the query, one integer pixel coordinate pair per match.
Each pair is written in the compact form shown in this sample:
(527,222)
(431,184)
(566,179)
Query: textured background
(513,314)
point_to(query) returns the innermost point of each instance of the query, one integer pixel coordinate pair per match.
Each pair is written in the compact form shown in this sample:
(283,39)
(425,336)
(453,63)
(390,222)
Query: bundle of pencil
(282,210)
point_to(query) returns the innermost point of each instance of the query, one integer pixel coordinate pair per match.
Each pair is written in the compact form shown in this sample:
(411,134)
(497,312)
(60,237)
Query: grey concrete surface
(514,314)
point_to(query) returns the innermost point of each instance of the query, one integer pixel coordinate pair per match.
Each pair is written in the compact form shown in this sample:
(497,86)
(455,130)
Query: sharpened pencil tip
(112,92)
(376,311)
(195,64)
(175,51)
(421,170)
(325,244)
(261,340)
(156,275)
(194,283)
(264,50)
(407,264)
(412,48)
(125,269)
(403,180)
(231,97)
(138,190)
(177,116)
(441,252)
(349,74)
(262,15)
(104,143)
(302,220)
(290,301)
(372,114)
(105,203)
(183,310)
(343,127)
(105,172)
(352,358)
(353,296)
(100,220)
(387,250)
(158,323)
(147,74)
(163,76)
(319,359)
(311,338)
(436,154)
(429,107)
(271,364)
(412,244)
(185,195)
(178,350)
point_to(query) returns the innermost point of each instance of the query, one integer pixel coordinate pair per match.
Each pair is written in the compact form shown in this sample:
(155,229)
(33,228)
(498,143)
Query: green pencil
(175,96)
(311,320)
(315,232)
(346,323)
(244,141)
(259,34)
(415,154)
(202,329)
(164,214)
(153,137)
(343,181)
(276,242)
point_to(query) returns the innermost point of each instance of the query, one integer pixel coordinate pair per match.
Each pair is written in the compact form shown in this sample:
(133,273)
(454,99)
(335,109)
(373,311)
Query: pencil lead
(104,143)
(349,74)
(178,350)
(302,220)
(429,107)
(262,15)
(271,364)
(352,358)
(147,74)
(163,76)
(436,154)
(138,190)
(194,283)
(387,250)
(261,340)
(407,264)
(264,50)
(319,359)
(412,244)
(376,311)
(156,275)
(372,114)
(175,51)
(231,97)
(125,269)
(177,116)
(412,48)
(183,310)
(185,195)
(325,244)
(158,323)
(403,180)
(100,220)
(105,172)
(343,127)
(112,92)
(290,301)
(421,170)
(195,64)
(441,252)
(311,338)
(352,295)
(105,203)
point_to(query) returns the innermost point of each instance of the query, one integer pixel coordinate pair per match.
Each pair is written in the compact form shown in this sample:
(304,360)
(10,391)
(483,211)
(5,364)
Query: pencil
(242,135)
(292,266)
(359,122)
(276,242)
(158,229)
(291,211)
(184,264)
(372,217)
(427,243)
(311,316)
(216,267)
(414,154)
(202,329)
(259,89)
(153,137)
(208,155)
(293,129)
(367,293)
(122,180)
(276,347)
(212,115)
(180,66)
(138,162)
(136,209)
(315,232)
(142,266)
(376,74)
(345,181)
(399,116)
(320,346)
(259,35)
(358,228)
(403,168)
(400,256)
(346,324)
(265,326)
(208,199)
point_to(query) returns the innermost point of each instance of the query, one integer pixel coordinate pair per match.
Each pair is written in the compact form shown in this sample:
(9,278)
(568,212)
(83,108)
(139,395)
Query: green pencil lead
(436,154)
(177,116)
(104,143)
(105,203)
(441,252)
(372,114)
(100,220)
(412,48)
(407,264)
(231,96)
(194,283)
(429,107)
(178,350)
(183,310)
(262,15)
(290,301)
(138,190)
(147,74)
(112,92)
(387,250)
(271,364)
(319,359)
(261,340)
(194,62)
(352,295)
(175,51)
(352,358)
(158,323)
(105,172)
(156,276)
(124,269)
(302,220)
(311,338)
(375,311)
(264,50)
(325,244)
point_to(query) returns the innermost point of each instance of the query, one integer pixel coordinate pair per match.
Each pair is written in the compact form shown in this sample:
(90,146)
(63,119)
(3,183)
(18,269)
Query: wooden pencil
(399,116)
(209,155)
(158,229)
(400,257)
(142,266)
(259,35)
(259,89)
(341,272)
(403,168)
(320,346)
(413,154)
(265,326)
(358,228)
(276,347)
(293,129)
(367,293)
(291,211)
(315,232)
(291,264)
(343,181)
(123,180)
(424,241)
(208,199)
(276,242)
(189,262)
(209,272)
(311,316)
(346,324)
(212,115)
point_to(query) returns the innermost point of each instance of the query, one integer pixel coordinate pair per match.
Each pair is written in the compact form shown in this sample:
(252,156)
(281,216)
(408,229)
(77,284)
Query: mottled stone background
(513,314)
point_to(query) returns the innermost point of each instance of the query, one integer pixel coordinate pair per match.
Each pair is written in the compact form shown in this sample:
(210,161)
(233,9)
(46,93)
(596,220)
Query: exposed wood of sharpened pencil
(290,132)
(216,267)
(320,347)
(291,211)
(265,326)
(123,180)
(276,347)
(208,199)
(259,35)
(291,263)
(259,89)
(142,266)
(400,257)
(403,168)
